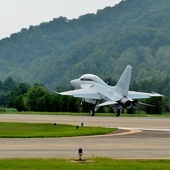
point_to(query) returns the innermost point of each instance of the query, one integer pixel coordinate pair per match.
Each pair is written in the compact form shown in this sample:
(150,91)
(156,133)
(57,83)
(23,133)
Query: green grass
(42,130)
(95,164)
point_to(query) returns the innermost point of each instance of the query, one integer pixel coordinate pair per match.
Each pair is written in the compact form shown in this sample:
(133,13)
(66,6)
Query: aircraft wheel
(118,113)
(92,113)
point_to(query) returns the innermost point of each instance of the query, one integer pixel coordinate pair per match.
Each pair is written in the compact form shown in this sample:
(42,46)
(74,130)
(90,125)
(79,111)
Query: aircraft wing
(142,95)
(82,93)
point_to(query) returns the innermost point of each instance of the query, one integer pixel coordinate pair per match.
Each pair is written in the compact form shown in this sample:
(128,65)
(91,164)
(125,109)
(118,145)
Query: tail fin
(123,84)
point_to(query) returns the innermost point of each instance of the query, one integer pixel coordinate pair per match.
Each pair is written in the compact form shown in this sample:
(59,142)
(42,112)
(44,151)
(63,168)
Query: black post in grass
(80,153)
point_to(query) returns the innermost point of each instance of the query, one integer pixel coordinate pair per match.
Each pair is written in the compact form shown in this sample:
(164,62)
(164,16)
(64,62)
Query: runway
(144,138)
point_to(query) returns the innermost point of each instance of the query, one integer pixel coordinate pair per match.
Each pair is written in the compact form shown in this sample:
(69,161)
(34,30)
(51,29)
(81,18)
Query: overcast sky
(18,14)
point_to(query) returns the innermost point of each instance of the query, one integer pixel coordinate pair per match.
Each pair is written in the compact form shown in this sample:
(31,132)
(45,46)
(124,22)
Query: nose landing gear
(92,112)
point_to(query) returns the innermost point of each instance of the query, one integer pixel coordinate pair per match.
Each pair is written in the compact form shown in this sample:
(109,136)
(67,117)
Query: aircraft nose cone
(75,83)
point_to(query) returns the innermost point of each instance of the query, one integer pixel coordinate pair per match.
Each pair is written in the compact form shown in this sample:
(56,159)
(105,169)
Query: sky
(18,14)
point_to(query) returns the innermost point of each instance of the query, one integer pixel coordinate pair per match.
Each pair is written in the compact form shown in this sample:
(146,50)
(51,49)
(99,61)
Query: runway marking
(145,129)
(131,131)
(128,132)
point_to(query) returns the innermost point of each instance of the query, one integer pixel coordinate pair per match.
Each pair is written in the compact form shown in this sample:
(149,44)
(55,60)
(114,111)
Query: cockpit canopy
(91,77)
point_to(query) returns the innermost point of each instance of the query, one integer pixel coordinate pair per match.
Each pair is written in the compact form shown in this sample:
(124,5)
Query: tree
(8,84)
(34,99)
(19,103)
(72,104)
(63,103)
(54,103)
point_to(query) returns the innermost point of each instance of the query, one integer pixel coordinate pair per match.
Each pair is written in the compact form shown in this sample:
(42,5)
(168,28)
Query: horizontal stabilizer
(107,103)
(142,95)
(153,94)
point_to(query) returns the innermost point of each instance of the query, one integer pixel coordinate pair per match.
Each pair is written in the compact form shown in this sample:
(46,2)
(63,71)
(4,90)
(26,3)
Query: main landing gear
(116,110)
(117,113)
(94,108)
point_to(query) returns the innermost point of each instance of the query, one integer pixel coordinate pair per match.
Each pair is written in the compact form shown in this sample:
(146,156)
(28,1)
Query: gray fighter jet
(93,89)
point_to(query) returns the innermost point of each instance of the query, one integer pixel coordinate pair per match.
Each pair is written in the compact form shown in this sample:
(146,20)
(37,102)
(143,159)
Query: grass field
(93,164)
(34,130)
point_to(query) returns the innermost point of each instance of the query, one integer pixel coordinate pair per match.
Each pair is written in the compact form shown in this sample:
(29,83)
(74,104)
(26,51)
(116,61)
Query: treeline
(24,97)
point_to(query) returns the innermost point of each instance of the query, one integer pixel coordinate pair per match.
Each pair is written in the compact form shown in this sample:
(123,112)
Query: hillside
(133,32)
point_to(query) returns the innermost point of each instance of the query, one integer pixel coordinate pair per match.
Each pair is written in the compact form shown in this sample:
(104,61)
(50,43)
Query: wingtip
(54,91)
(157,94)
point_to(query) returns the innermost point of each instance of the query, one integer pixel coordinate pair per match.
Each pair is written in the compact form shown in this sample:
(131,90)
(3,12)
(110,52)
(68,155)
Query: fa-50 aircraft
(93,89)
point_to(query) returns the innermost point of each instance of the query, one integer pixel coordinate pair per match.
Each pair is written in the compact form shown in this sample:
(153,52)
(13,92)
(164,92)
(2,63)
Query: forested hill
(134,32)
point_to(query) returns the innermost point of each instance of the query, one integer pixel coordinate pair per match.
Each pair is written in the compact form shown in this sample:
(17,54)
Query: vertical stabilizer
(122,85)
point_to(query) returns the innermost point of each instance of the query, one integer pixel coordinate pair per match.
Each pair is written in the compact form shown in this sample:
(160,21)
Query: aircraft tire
(92,113)
(118,113)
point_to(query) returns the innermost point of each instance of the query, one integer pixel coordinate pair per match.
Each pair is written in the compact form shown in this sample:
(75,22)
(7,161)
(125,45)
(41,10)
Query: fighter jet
(93,89)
